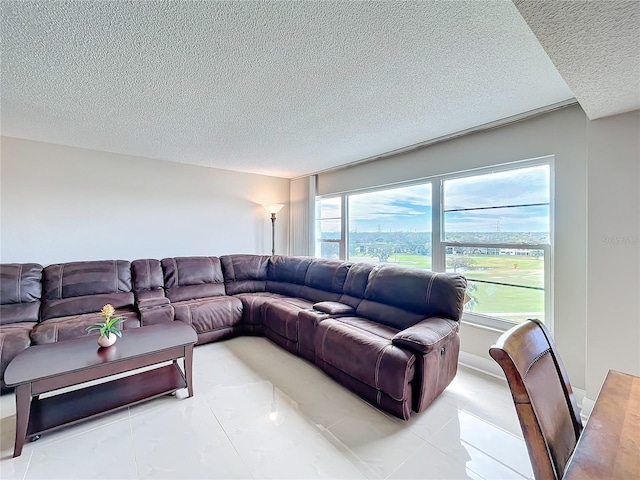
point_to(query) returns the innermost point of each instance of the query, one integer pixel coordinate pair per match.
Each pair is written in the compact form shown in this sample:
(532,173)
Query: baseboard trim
(481,364)
(587,408)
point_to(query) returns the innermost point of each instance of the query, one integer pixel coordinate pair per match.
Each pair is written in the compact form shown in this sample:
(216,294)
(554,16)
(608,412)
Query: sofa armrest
(426,336)
(155,310)
(335,309)
(152,302)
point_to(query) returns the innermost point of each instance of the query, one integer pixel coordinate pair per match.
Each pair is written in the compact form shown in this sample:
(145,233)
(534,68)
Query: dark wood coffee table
(45,368)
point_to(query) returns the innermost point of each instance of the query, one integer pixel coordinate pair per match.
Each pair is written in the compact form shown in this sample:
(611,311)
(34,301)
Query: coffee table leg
(23,410)
(188,363)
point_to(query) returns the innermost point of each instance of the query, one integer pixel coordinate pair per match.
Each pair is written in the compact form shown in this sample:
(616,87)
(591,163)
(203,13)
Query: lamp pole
(273,233)
(273,209)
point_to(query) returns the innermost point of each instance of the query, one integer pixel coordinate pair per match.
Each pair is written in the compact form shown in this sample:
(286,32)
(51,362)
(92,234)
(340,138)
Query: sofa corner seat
(196,290)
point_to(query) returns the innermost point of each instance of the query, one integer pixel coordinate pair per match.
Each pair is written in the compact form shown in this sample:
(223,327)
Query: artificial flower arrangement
(110,328)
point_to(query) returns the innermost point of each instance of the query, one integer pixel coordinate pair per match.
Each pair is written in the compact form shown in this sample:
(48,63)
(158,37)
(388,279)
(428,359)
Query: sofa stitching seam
(377,370)
(324,337)
(430,287)
(406,371)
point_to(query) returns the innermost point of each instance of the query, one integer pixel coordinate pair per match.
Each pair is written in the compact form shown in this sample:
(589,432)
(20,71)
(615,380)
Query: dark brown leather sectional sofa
(388,333)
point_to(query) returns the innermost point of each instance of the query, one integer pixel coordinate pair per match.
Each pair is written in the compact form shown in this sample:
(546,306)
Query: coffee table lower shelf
(78,405)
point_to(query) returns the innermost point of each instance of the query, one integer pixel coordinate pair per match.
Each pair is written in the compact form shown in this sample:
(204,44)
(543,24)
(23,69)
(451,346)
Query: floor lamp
(273,209)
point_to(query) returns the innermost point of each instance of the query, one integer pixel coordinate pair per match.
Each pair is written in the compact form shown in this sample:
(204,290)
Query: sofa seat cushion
(253,305)
(363,350)
(281,316)
(74,326)
(209,314)
(14,338)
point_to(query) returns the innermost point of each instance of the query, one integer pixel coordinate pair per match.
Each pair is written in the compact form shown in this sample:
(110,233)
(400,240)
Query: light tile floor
(260,412)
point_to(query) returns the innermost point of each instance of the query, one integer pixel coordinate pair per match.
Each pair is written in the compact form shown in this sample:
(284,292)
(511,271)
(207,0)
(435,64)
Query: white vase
(105,341)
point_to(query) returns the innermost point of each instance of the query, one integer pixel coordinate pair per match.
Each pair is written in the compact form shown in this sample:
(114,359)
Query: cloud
(515,219)
(514,187)
(409,208)
(401,202)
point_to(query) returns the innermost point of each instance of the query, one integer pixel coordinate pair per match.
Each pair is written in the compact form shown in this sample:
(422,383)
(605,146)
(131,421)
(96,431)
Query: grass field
(512,303)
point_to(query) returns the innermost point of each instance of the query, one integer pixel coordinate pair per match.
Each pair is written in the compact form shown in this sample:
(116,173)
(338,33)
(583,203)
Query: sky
(409,208)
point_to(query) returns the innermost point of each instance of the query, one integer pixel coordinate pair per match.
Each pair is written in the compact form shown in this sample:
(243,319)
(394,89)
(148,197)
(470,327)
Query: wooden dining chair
(542,395)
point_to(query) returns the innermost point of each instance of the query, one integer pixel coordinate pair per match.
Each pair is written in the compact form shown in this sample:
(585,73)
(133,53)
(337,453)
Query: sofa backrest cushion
(189,278)
(85,287)
(428,294)
(286,274)
(356,283)
(245,273)
(20,292)
(324,280)
(148,279)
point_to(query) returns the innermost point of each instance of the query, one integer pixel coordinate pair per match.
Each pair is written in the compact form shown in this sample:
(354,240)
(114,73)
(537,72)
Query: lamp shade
(273,208)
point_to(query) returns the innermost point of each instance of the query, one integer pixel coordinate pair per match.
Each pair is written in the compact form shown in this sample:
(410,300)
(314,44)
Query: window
(493,226)
(496,230)
(392,225)
(329,238)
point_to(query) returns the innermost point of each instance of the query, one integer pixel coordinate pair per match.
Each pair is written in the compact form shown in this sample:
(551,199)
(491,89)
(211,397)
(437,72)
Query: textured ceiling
(596,47)
(280,88)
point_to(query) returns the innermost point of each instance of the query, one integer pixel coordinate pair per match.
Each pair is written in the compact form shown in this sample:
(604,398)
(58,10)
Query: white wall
(561,133)
(613,273)
(62,204)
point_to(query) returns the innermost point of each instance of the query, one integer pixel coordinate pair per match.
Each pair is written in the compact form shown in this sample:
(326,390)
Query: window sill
(492,324)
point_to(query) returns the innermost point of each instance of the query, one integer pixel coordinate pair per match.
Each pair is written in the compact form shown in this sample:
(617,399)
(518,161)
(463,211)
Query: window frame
(439,245)
(343,234)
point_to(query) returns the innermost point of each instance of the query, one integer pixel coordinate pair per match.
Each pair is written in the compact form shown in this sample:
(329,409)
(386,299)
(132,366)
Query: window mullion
(344,238)
(438,260)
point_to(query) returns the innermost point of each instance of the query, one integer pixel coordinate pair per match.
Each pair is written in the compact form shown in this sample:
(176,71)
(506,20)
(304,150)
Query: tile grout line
(26,470)
(228,438)
(520,475)
(133,443)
